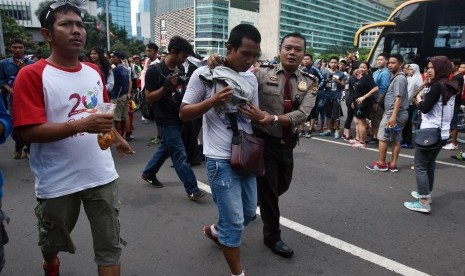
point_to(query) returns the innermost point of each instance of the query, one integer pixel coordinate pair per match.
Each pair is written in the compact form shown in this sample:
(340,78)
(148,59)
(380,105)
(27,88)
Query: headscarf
(414,81)
(442,68)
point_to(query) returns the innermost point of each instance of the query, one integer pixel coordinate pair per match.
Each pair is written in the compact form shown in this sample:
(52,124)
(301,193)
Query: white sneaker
(417,206)
(451,146)
(415,194)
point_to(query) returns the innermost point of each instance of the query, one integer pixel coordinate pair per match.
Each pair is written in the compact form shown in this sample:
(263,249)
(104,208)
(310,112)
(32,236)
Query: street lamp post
(107,9)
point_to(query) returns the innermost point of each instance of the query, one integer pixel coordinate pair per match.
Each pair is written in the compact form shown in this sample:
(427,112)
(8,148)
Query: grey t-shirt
(217,133)
(397,88)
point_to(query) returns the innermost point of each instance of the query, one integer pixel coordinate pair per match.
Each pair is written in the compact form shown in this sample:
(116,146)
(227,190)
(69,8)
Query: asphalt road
(342,218)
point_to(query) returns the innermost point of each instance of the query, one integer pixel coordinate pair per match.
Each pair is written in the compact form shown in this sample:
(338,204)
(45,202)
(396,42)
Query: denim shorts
(235,197)
(58,216)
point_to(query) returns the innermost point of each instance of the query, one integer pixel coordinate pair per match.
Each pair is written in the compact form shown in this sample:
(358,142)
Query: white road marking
(342,245)
(376,150)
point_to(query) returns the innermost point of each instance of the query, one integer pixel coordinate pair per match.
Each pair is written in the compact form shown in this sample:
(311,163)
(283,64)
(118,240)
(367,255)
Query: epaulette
(267,65)
(313,77)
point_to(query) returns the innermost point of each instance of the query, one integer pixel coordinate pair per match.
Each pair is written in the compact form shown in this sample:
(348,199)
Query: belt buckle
(282,142)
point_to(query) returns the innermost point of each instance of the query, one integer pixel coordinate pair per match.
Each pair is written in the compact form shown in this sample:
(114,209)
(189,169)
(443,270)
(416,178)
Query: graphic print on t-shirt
(86,103)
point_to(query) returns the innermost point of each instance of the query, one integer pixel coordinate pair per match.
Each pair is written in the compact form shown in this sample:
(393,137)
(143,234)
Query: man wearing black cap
(121,91)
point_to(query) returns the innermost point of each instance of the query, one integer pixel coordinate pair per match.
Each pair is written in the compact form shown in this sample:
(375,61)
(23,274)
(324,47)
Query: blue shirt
(121,75)
(382,78)
(9,70)
(6,122)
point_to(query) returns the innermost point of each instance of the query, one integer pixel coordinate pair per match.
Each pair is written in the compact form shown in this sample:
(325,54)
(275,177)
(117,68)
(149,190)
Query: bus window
(410,18)
(450,37)
(406,46)
(378,50)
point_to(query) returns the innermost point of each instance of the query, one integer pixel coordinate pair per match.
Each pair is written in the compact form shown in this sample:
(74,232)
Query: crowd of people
(52,105)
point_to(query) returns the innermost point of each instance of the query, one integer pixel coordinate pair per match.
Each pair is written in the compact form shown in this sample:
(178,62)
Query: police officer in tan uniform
(285,101)
(279,131)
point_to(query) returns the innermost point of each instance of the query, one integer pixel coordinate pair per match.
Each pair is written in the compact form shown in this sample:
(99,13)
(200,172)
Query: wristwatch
(275,121)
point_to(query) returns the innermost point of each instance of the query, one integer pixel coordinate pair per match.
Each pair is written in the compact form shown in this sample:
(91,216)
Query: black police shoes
(281,249)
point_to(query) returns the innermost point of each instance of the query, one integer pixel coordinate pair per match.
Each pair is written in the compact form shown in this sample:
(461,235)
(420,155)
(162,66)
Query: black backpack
(146,108)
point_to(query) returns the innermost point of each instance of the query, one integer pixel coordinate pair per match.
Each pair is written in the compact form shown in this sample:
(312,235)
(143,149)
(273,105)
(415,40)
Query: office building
(144,21)
(143,26)
(243,12)
(158,7)
(214,20)
(167,6)
(369,37)
(120,13)
(325,24)
(175,23)
(24,14)
(144,6)
(207,22)
(211,26)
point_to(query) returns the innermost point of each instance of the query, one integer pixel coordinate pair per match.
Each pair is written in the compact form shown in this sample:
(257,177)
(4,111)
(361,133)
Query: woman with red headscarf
(436,103)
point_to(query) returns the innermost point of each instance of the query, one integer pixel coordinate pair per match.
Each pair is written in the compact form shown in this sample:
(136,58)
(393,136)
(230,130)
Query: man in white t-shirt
(234,194)
(55,104)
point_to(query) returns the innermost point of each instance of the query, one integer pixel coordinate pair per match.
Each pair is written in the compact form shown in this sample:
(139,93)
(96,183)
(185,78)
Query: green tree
(42,6)
(98,37)
(11,29)
(363,52)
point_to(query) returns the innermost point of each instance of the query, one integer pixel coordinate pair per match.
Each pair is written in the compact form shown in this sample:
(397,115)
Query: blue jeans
(171,146)
(425,164)
(236,198)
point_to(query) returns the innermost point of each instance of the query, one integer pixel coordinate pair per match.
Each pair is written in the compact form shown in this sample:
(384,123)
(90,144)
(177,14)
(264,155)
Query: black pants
(190,133)
(350,114)
(279,164)
(407,131)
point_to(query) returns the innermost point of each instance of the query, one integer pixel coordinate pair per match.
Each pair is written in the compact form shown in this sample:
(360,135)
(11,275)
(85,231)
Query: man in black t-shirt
(164,87)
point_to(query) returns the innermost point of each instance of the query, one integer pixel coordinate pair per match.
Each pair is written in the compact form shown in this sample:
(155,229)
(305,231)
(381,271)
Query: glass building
(248,5)
(211,26)
(144,6)
(120,13)
(326,24)
(158,7)
(165,6)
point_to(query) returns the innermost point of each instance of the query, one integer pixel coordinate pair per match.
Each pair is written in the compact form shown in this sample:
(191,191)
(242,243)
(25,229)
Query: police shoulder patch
(311,76)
